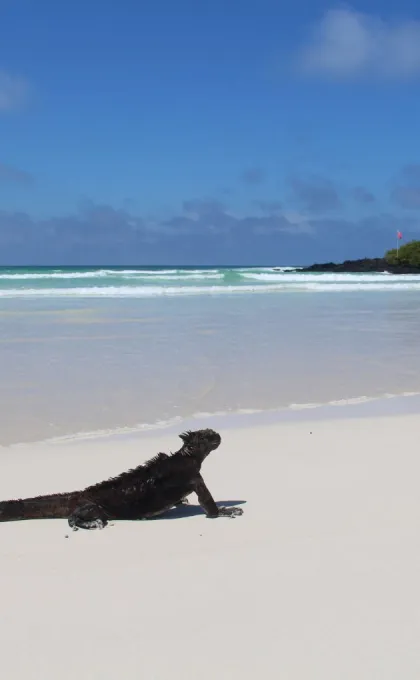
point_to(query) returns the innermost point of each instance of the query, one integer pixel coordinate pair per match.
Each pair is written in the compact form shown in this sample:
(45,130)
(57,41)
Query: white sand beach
(318,580)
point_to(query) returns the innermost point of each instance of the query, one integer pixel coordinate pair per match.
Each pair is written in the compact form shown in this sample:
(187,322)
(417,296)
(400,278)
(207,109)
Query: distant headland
(403,260)
(374,265)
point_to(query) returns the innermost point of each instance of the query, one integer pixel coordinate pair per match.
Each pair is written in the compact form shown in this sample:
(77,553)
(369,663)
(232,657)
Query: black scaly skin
(146,491)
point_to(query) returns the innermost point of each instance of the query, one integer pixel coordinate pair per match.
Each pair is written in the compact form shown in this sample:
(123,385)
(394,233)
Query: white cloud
(13,91)
(346,43)
(299,220)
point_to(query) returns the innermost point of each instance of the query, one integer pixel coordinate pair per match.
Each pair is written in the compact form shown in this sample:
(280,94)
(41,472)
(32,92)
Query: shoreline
(389,405)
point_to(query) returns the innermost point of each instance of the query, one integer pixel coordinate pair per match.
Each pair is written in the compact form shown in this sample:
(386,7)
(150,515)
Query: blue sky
(177,131)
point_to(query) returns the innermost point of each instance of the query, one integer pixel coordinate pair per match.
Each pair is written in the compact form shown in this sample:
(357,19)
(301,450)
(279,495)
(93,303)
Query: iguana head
(200,442)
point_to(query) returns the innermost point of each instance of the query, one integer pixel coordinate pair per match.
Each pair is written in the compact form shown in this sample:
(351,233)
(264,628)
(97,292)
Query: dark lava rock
(376,264)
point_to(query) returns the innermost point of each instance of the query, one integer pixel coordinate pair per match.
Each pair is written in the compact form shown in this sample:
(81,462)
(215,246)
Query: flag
(399,234)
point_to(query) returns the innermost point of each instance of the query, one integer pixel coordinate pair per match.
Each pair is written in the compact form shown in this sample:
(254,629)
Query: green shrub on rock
(408,255)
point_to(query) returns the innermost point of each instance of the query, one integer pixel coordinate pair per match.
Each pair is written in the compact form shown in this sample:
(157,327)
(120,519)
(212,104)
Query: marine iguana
(141,493)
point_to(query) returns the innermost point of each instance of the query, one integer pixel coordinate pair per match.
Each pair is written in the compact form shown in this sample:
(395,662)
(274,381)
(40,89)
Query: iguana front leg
(209,506)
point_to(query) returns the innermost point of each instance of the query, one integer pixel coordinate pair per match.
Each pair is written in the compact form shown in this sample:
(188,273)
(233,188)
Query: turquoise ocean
(87,351)
(178,281)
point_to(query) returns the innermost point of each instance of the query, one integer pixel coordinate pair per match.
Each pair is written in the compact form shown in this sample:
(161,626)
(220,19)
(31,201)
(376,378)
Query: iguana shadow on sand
(144,492)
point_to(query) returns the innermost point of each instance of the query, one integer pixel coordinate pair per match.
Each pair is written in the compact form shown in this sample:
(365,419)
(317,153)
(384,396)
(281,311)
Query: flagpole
(399,237)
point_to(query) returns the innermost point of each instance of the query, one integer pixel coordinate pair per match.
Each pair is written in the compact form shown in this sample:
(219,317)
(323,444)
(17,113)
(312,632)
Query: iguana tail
(54,506)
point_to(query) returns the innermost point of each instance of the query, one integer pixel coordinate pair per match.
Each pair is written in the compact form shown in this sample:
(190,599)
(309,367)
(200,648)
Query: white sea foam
(177,277)
(99,273)
(123,291)
(199,271)
(175,282)
(154,272)
(328,278)
(115,273)
(267,269)
(116,431)
(151,291)
(343,287)
(226,416)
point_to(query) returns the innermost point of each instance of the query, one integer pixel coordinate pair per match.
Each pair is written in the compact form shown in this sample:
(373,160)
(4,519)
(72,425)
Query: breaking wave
(182,281)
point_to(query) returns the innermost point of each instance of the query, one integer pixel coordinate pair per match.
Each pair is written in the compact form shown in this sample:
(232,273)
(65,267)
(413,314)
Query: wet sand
(71,366)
